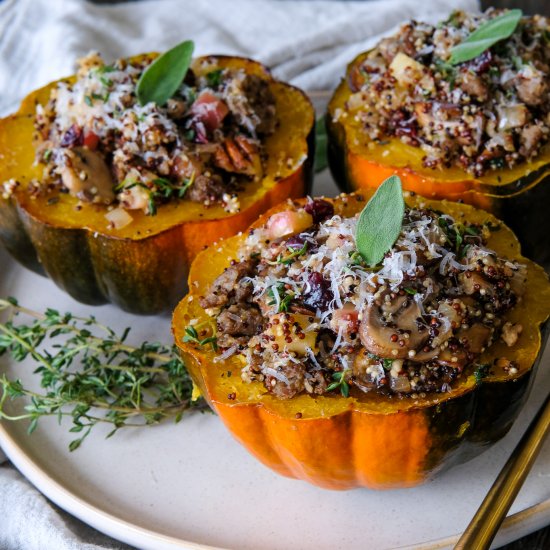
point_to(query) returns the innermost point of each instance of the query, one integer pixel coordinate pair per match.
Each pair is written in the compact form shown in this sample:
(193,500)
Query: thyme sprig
(279,294)
(192,335)
(340,382)
(288,259)
(89,373)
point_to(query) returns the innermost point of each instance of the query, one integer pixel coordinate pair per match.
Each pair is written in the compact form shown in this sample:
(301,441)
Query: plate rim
(517,525)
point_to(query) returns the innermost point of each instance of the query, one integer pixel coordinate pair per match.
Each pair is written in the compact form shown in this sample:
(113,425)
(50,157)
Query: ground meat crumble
(309,315)
(99,144)
(487,113)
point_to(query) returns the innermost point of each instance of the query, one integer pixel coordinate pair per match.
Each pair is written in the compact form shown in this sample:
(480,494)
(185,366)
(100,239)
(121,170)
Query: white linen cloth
(305,42)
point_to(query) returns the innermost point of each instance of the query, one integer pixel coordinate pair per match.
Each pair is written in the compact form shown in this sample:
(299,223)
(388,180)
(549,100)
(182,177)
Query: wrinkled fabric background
(305,42)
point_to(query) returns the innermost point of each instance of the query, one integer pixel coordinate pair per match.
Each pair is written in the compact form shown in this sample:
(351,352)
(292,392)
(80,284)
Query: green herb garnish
(160,81)
(166,189)
(88,373)
(387,364)
(380,221)
(191,335)
(448,72)
(286,260)
(486,35)
(481,372)
(214,78)
(339,382)
(278,293)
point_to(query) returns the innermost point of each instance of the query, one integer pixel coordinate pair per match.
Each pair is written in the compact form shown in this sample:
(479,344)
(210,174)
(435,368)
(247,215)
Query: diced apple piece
(346,317)
(409,72)
(287,223)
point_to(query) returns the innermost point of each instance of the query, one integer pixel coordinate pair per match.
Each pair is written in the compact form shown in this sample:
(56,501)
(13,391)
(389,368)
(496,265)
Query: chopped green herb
(214,78)
(481,372)
(278,293)
(410,291)
(387,363)
(105,69)
(339,382)
(191,335)
(107,82)
(448,72)
(88,100)
(189,135)
(286,260)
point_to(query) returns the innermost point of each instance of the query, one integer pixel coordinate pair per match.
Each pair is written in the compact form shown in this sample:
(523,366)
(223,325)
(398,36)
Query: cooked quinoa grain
(487,113)
(205,144)
(309,316)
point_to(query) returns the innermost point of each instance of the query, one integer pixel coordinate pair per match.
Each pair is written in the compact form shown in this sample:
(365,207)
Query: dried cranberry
(319,210)
(72,137)
(320,294)
(481,63)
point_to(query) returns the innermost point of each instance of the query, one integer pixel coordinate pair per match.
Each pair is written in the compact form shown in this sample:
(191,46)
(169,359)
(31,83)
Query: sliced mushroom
(425,356)
(455,359)
(86,175)
(475,338)
(377,337)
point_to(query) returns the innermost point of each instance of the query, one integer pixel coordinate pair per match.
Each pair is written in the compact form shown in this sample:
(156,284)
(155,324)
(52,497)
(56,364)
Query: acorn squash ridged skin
(518,196)
(368,440)
(142,268)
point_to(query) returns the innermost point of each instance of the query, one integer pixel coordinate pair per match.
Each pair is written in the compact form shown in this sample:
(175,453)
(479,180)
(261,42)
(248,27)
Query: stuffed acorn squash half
(345,372)
(111,189)
(459,111)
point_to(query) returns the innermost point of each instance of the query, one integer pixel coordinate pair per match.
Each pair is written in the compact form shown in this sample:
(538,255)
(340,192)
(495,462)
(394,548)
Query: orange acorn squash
(142,267)
(517,195)
(367,439)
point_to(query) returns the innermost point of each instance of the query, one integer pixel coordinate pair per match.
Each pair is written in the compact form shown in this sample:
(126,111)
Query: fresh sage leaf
(320,145)
(380,221)
(164,76)
(486,35)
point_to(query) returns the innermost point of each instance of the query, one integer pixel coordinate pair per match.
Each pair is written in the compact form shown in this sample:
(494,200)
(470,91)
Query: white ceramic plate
(191,486)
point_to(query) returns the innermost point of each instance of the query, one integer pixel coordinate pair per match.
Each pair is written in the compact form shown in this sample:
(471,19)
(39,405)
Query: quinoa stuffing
(309,316)
(205,144)
(490,112)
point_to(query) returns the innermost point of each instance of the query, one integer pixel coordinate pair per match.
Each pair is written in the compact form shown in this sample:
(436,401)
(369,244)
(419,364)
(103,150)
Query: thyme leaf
(89,374)
(481,372)
(191,335)
(340,383)
(287,260)
(278,293)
